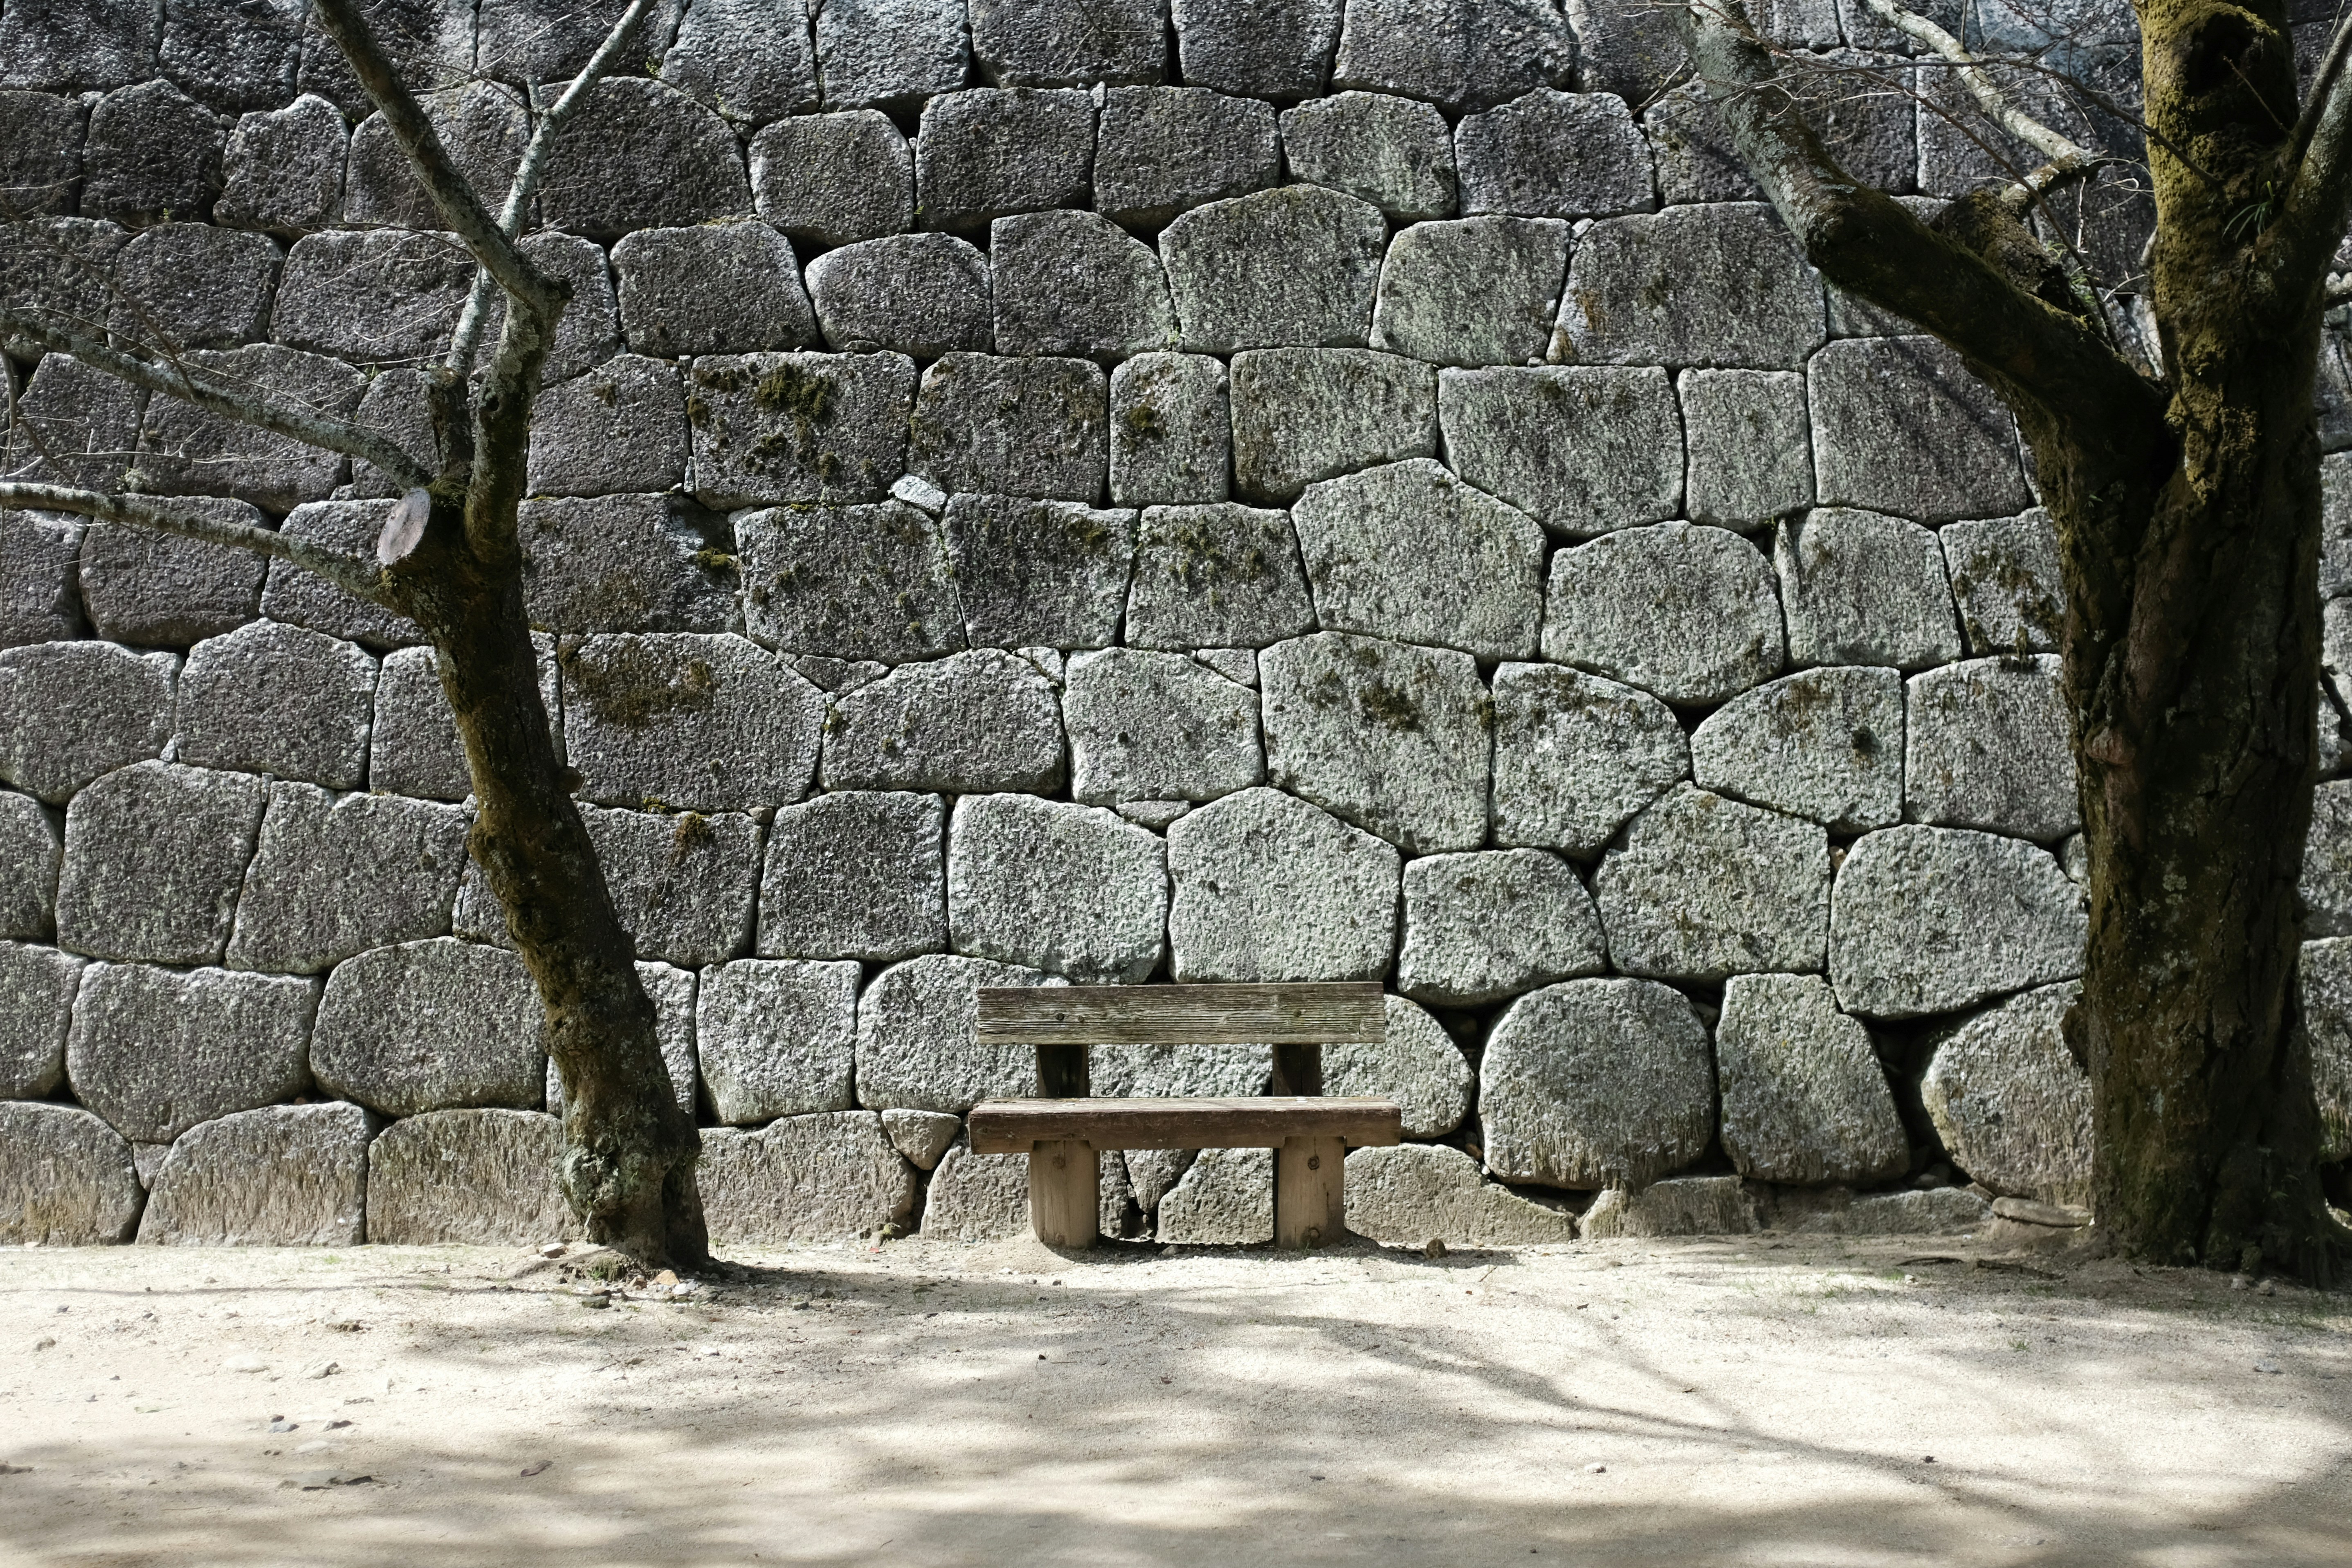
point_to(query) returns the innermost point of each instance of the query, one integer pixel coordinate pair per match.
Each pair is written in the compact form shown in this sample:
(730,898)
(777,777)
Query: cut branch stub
(404,527)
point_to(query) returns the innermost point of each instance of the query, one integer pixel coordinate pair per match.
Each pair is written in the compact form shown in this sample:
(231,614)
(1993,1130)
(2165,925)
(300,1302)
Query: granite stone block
(183,450)
(2004,573)
(152,154)
(1583,450)
(1070,890)
(1988,744)
(1483,927)
(2011,1105)
(1158,727)
(1171,431)
(751,60)
(1160,151)
(72,711)
(1719,286)
(1596,1083)
(283,1175)
(1040,43)
(1409,552)
(1480,291)
(192,286)
(1900,426)
(1394,153)
(1280,50)
(1007,426)
(1457,53)
(777,428)
(698,722)
(1555,155)
(274,699)
(144,586)
(919,294)
(156,1051)
(834,179)
(155,854)
(414,748)
(1823,743)
(65,46)
(851,582)
(1414,1193)
(626,563)
(32,849)
(440,1025)
(1687,611)
(66,1178)
(620,428)
(1304,415)
(682,886)
(1076,283)
(856,874)
(971,723)
(717,288)
(989,153)
(332,876)
(1297,266)
(640,154)
(1032,574)
(1576,756)
(1861,588)
(522,40)
(477,1178)
(776,1037)
(1804,1100)
(915,1048)
(72,425)
(297,598)
(1391,737)
(483,126)
(1269,887)
(1749,453)
(429,42)
(1702,888)
(806,1179)
(1225,576)
(1932,919)
(282,172)
(39,553)
(373,297)
(892,53)
(37,993)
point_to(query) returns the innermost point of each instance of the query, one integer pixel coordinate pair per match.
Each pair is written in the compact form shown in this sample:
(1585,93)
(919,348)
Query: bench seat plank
(1265,1122)
(1308,1013)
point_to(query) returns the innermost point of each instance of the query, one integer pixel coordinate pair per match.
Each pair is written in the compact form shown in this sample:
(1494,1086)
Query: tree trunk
(629,1157)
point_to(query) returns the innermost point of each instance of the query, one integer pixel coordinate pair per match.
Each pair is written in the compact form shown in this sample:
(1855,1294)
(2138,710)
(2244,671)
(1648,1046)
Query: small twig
(346,572)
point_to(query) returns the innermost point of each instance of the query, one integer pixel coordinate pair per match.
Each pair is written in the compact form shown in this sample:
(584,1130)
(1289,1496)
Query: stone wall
(1034,491)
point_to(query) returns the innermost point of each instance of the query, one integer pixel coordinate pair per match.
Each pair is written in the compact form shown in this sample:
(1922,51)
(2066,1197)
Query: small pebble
(46,1341)
(245,1364)
(536,1467)
(1596,1469)
(2268,1366)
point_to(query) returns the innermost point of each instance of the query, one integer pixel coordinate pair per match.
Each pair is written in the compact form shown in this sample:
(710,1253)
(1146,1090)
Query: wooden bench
(1062,1128)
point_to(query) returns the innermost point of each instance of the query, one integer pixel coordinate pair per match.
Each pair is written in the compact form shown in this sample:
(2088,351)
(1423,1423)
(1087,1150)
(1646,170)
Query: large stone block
(1576,756)
(965,725)
(474,1178)
(1160,151)
(1480,291)
(72,711)
(1935,1211)
(1157,726)
(1688,613)
(1716,286)
(1988,744)
(626,564)
(66,1178)
(414,748)
(1391,737)
(914,1047)
(373,297)
(1304,415)
(155,1051)
(891,52)
(1596,1083)
(1297,266)
(1932,919)
(272,698)
(804,1179)
(70,45)
(31,848)
(699,723)
(1032,574)
(1479,928)
(1860,588)
(183,450)
(146,587)
(1076,283)
(1279,51)
(1216,577)
(1900,426)
(1555,155)
(922,1136)
(1581,450)
(773,428)
(1689,1205)
(440,1025)
(1414,1193)
(919,294)
(1804,1100)
(72,425)
(2009,1102)
(1703,888)
(639,154)
(834,179)
(37,995)
(154,853)
(283,170)
(152,153)
(1226,1199)
(192,286)
(672,993)
(483,126)
(2005,576)
(776,1037)
(334,876)
(1750,454)
(751,60)
(1068,889)
(1633,52)
(285,1175)
(979,1197)
(990,153)
(1268,887)
(296,597)
(1171,433)
(2323,988)
(682,886)
(520,40)
(37,554)
(2326,884)
(619,429)
(1824,743)
(856,875)
(1416,1064)
(1039,43)
(60,269)
(429,42)
(856,582)
(1457,53)
(1012,427)
(1394,153)
(717,288)
(1410,551)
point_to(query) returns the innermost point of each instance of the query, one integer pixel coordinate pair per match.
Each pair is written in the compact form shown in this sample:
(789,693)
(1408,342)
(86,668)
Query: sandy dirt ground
(1752,1401)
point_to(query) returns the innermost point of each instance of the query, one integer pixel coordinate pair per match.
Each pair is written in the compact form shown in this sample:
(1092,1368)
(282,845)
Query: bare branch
(467,340)
(2323,89)
(2310,219)
(347,573)
(452,196)
(1868,242)
(218,395)
(2062,153)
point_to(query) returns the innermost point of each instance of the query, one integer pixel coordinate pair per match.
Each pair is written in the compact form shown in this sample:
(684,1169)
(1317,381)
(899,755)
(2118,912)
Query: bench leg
(1064,1208)
(1309,1191)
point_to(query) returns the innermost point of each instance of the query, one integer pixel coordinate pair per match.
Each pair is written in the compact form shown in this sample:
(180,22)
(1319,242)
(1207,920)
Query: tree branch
(347,573)
(2302,242)
(1868,243)
(467,340)
(218,395)
(2065,156)
(452,197)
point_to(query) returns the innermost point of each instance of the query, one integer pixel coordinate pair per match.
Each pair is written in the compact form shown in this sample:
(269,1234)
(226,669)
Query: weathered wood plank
(1181,1014)
(1269,1122)
(1064,1202)
(1309,1195)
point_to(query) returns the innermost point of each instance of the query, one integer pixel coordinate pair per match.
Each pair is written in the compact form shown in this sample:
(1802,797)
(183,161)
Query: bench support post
(1309,1191)
(1065,1207)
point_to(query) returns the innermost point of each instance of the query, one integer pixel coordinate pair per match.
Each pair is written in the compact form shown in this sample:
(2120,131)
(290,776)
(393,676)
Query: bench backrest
(1299,1020)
